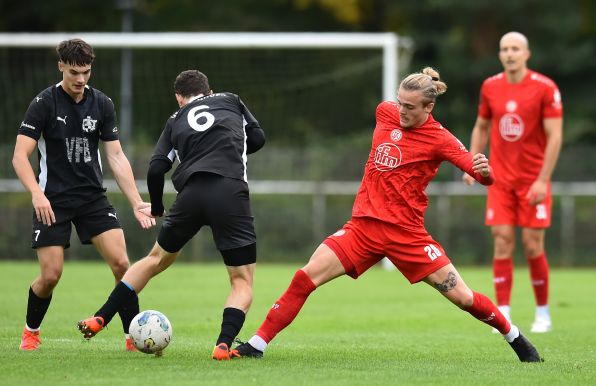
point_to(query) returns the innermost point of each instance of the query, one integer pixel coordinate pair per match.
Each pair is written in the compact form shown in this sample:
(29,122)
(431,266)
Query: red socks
(485,311)
(539,275)
(503,280)
(286,308)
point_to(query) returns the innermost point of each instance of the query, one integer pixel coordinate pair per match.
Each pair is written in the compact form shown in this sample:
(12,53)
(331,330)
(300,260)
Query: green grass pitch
(377,330)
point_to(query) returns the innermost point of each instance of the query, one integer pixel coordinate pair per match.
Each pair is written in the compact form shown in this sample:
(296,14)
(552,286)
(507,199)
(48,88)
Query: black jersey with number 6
(212,133)
(67,135)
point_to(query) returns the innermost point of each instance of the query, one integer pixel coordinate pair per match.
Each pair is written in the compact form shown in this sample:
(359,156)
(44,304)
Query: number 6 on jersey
(193,118)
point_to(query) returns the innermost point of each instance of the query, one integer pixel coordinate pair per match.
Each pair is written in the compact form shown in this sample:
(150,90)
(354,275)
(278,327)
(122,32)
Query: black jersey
(67,135)
(212,134)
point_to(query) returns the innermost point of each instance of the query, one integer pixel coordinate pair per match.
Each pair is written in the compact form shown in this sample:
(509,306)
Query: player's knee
(119,267)
(50,278)
(532,247)
(504,245)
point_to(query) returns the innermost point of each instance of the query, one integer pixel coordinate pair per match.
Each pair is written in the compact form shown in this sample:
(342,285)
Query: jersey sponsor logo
(396,135)
(541,212)
(387,157)
(115,130)
(62,119)
(89,124)
(23,124)
(511,127)
(38,98)
(75,147)
(511,106)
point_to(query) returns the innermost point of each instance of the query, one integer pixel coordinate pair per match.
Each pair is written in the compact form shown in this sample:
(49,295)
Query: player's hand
(537,192)
(145,220)
(480,165)
(468,179)
(43,209)
(146,210)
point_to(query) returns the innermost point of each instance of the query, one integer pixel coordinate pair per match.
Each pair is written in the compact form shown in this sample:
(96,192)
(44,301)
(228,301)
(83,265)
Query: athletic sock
(539,275)
(129,309)
(258,343)
(36,310)
(287,306)
(512,334)
(123,296)
(231,324)
(503,280)
(485,311)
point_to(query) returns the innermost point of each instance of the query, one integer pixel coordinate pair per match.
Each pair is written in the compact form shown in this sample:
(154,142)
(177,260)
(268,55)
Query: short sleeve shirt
(67,135)
(516,112)
(207,135)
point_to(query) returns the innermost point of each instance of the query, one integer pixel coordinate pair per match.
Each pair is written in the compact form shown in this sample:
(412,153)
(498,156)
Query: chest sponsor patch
(387,157)
(511,127)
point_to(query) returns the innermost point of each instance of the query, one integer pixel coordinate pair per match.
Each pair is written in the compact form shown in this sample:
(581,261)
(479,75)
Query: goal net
(302,87)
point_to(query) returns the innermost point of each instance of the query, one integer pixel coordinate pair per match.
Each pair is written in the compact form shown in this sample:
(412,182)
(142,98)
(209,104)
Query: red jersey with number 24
(516,111)
(401,164)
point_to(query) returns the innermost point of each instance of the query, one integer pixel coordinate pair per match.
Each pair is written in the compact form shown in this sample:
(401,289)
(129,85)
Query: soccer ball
(150,331)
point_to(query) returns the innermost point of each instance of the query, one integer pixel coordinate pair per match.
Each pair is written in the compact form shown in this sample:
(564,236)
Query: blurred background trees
(458,37)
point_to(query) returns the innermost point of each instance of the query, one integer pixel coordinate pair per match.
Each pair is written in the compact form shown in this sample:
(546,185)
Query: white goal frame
(388,42)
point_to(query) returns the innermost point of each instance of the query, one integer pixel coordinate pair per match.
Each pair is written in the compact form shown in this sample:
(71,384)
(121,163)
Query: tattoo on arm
(447,284)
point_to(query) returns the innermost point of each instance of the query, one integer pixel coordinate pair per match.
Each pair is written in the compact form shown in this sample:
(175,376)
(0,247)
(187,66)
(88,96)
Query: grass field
(378,330)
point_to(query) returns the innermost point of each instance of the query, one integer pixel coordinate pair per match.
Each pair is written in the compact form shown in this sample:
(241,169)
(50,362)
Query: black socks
(122,300)
(231,324)
(36,309)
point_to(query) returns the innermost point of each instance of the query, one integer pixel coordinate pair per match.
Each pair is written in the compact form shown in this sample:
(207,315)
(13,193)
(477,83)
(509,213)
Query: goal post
(389,42)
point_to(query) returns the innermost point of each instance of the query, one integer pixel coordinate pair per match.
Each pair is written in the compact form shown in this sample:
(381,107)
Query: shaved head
(515,36)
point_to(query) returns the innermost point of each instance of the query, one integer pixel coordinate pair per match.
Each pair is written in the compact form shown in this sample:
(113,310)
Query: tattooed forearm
(447,284)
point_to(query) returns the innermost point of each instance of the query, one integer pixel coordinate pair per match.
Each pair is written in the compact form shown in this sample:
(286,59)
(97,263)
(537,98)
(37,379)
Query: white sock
(258,343)
(512,334)
(32,329)
(542,312)
(506,311)
(126,336)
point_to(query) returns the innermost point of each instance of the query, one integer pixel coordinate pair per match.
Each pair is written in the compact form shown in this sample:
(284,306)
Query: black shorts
(210,199)
(90,220)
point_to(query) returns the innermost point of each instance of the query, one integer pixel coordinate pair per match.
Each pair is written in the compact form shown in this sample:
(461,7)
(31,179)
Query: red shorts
(509,206)
(363,242)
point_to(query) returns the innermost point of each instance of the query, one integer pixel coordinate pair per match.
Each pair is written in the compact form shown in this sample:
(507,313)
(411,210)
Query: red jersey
(517,110)
(401,164)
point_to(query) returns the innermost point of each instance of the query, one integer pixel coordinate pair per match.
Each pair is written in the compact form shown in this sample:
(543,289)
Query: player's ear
(429,107)
(60,66)
(179,99)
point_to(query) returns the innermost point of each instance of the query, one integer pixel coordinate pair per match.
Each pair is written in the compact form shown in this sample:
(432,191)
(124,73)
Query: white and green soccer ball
(151,331)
